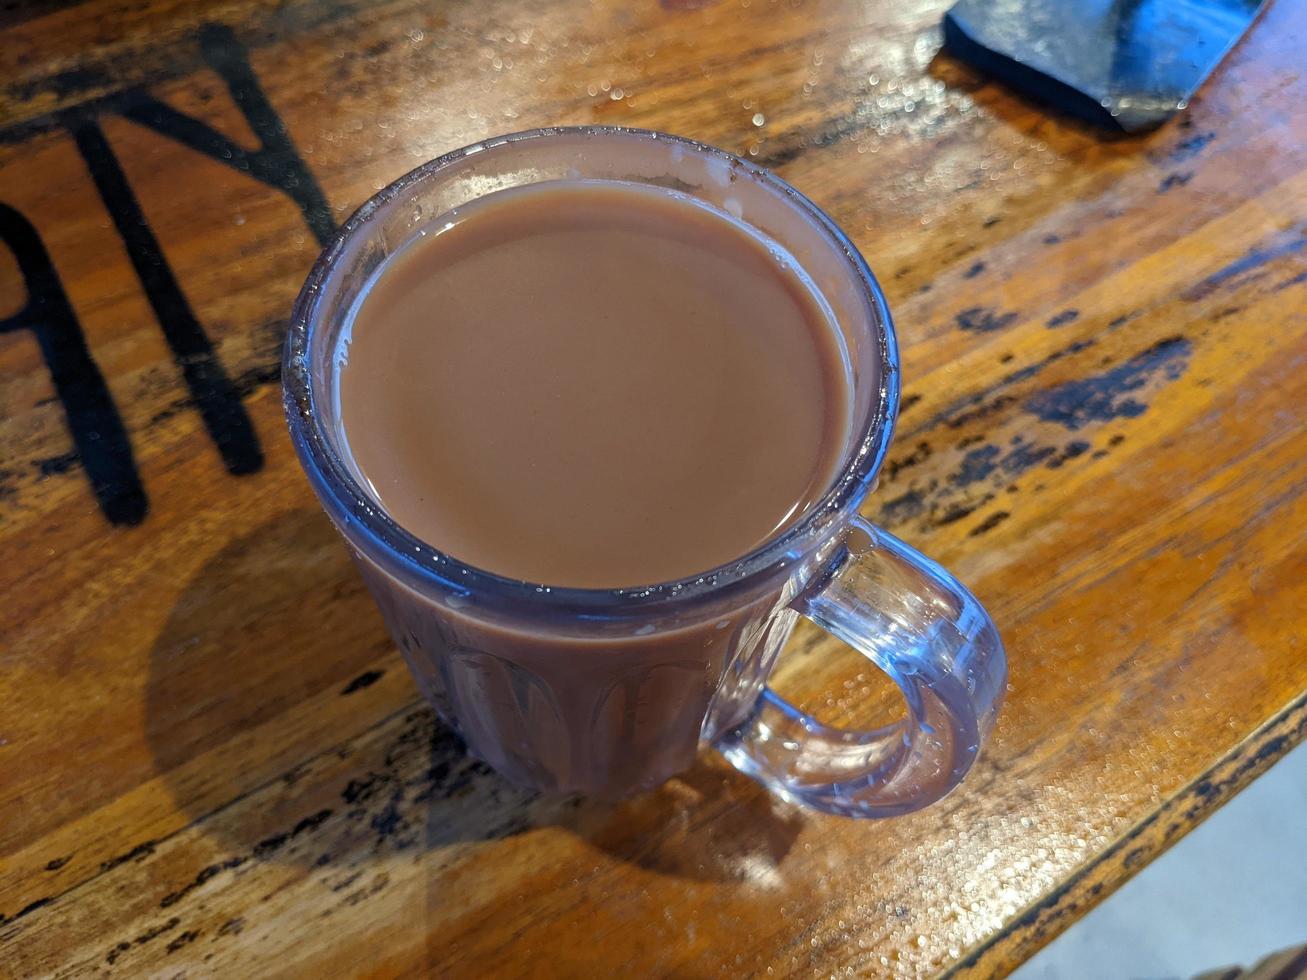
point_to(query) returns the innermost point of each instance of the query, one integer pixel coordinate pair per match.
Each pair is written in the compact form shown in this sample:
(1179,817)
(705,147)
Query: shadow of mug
(278,617)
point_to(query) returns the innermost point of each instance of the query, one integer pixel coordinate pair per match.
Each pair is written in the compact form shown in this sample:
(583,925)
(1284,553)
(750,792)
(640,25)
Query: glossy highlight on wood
(212,760)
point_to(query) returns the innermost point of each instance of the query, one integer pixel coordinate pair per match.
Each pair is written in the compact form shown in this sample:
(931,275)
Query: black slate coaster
(1118,63)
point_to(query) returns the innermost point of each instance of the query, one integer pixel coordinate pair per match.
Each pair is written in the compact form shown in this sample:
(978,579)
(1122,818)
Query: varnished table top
(212,760)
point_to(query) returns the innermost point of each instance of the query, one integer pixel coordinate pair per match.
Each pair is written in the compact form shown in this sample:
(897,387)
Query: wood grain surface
(212,761)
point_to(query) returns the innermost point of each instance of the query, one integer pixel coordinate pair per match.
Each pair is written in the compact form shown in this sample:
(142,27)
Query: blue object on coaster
(1128,64)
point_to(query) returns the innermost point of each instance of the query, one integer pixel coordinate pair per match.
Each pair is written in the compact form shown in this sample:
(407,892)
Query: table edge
(1041,923)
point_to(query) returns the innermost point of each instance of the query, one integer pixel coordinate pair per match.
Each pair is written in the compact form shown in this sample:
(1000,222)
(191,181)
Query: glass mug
(610,692)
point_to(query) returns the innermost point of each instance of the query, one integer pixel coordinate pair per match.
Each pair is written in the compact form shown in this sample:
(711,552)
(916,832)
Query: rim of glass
(434,568)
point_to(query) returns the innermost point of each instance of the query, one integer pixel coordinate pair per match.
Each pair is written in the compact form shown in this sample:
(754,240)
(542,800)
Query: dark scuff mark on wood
(989,523)
(920,453)
(1190,147)
(1070,451)
(964,410)
(1100,398)
(157,931)
(270,845)
(204,875)
(982,319)
(366,679)
(137,853)
(1292,281)
(956,512)
(185,938)
(1030,370)
(980,412)
(360,790)
(984,471)
(54,465)
(1024,457)
(1286,243)
(906,506)
(347,881)
(378,884)
(390,820)
(27,909)
(976,466)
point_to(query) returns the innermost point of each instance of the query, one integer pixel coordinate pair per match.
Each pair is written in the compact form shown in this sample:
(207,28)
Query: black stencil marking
(275,163)
(218,403)
(93,421)
(100,438)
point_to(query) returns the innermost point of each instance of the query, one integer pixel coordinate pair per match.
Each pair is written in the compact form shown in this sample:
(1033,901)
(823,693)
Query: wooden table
(212,760)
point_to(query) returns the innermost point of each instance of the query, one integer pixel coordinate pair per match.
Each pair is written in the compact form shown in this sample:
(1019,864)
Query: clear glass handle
(921,626)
